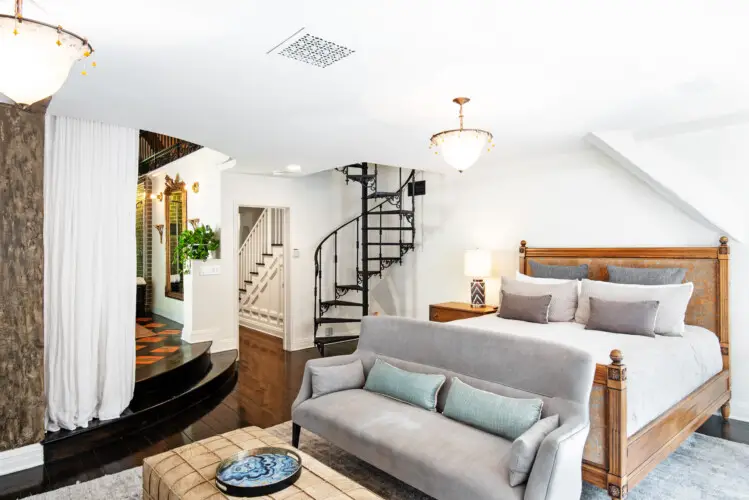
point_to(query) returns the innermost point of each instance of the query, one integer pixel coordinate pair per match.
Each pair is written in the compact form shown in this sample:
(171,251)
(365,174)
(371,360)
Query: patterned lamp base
(478,293)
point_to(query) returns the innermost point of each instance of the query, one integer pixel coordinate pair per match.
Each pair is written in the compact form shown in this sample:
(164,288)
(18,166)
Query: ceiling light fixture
(462,147)
(36,56)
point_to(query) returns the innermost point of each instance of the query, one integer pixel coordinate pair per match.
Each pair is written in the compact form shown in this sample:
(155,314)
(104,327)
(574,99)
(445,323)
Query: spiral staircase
(381,235)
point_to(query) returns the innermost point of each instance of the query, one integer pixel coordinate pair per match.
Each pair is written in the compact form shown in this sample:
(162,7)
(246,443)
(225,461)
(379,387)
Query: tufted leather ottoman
(188,472)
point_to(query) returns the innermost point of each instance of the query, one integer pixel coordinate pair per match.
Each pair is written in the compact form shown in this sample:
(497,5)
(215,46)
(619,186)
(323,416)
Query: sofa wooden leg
(725,410)
(296,430)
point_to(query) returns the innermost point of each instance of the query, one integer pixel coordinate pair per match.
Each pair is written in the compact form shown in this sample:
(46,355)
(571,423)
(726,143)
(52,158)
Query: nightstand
(450,311)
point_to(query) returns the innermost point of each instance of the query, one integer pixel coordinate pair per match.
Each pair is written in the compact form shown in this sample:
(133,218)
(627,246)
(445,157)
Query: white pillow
(563,295)
(672,299)
(531,279)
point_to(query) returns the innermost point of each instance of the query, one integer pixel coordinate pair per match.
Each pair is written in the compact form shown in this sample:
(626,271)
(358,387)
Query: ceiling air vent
(315,51)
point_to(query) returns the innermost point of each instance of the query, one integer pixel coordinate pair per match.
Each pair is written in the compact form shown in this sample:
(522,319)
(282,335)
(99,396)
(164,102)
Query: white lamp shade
(462,148)
(33,66)
(478,263)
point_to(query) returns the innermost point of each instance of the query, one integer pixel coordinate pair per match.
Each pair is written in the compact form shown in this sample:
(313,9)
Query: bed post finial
(523,243)
(616,356)
(723,249)
(521,260)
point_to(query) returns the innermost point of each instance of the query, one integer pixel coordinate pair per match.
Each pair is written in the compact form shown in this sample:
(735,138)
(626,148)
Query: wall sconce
(159,196)
(160,229)
(195,187)
(194,223)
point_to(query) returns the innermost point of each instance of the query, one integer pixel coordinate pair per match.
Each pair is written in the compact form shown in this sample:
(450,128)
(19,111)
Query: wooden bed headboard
(707,268)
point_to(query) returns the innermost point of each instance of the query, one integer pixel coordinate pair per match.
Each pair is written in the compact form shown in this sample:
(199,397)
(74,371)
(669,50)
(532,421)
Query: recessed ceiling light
(293,168)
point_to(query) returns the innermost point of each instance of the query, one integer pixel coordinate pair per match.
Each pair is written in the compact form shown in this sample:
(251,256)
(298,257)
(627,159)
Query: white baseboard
(303,343)
(222,345)
(740,411)
(196,336)
(21,458)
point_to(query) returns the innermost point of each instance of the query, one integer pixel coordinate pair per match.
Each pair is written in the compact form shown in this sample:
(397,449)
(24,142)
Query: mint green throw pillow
(500,415)
(418,389)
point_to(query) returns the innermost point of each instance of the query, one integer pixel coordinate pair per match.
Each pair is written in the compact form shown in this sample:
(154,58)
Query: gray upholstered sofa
(441,457)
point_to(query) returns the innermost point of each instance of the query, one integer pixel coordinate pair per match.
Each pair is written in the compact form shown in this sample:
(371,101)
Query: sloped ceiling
(698,170)
(536,71)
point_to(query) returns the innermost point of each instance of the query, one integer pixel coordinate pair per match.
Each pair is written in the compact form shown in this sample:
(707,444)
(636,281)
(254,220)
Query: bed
(647,398)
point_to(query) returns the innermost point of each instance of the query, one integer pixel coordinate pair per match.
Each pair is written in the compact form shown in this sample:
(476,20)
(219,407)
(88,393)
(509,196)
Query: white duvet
(661,371)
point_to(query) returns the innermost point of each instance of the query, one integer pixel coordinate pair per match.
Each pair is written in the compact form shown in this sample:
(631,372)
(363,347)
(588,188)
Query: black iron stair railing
(367,176)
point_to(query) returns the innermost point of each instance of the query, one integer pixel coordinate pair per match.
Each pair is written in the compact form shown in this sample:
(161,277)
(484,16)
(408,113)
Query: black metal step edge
(223,373)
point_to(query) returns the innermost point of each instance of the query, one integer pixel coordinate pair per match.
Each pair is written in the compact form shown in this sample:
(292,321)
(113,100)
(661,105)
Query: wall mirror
(175,215)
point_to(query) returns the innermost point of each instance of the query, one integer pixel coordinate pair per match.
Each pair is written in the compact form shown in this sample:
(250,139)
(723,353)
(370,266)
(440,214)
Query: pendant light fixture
(36,57)
(462,147)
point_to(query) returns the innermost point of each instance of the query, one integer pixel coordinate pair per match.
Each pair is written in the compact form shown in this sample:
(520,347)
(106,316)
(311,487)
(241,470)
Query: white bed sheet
(660,371)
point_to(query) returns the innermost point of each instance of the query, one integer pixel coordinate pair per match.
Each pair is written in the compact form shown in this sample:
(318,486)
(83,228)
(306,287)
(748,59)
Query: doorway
(262,269)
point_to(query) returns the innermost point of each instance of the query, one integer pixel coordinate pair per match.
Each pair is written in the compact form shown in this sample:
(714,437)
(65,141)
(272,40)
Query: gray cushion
(634,318)
(418,389)
(563,295)
(500,415)
(673,301)
(559,272)
(327,379)
(524,449)
(525,308)
(425,449)
(646,276)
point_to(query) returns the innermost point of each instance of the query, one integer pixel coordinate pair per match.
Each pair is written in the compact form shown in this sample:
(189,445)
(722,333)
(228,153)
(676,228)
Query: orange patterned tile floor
(170,332)
(151,340)
(143,320)
(167,348)
(147,360)
(155,325)
(139,347)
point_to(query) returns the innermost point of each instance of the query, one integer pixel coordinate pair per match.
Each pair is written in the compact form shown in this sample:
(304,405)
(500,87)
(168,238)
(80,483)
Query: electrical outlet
(328,331)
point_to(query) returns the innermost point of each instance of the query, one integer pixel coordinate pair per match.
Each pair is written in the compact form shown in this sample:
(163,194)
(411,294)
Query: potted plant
(195,244)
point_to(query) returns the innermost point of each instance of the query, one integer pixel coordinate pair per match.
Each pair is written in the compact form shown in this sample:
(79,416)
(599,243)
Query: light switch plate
(295,253)
(210,270)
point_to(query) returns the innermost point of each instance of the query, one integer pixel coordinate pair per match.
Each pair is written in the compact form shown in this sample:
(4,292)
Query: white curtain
(90,181)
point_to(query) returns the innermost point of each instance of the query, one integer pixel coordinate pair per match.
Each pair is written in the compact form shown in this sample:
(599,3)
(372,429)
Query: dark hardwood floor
(269,380)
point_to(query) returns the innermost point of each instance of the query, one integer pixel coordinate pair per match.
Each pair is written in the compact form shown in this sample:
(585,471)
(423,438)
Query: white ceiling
(537,72)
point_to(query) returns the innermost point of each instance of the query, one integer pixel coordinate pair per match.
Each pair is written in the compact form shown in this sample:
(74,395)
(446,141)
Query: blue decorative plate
(258,472)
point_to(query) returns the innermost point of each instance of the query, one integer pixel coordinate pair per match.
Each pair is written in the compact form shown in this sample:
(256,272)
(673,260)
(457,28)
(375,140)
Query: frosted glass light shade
(462,148)
(33,66)
(477,263)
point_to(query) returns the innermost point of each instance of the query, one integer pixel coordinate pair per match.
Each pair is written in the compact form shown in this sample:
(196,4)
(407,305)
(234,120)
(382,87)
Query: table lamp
(478,265)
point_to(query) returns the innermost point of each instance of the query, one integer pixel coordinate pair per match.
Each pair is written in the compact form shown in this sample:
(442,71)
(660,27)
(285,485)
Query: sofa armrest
(305,391)
(557,471)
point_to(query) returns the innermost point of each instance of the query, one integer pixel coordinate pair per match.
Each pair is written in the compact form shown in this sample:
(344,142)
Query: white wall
(200,166)
(314,210)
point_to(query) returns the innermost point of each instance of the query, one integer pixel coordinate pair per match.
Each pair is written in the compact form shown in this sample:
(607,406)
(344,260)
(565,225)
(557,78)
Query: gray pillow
(646,276)
(559,272)
(524,449)
(563,295)
(327,379)
(524,308)
(633,318)
(493,413)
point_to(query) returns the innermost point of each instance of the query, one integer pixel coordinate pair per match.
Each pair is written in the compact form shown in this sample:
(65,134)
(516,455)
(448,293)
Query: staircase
(261,276)
(383,234)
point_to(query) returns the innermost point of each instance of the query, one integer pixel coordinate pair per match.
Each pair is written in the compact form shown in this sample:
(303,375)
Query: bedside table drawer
(444,315)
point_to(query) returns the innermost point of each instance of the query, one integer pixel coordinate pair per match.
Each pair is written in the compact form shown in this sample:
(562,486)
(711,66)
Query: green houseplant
(195,244)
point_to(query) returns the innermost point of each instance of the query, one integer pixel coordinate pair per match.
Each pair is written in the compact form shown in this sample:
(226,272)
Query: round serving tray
(258,472)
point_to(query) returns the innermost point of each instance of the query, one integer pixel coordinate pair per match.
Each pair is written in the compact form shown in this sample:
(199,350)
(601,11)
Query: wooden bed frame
(612,460)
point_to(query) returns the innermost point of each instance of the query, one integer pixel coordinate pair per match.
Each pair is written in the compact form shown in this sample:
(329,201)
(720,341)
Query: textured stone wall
(21,277)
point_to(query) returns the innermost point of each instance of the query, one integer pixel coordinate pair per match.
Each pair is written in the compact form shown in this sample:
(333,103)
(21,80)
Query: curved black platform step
(144,412)
(178,371)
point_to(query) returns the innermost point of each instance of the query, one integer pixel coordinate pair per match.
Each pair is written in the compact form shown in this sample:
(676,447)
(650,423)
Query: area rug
(703,468)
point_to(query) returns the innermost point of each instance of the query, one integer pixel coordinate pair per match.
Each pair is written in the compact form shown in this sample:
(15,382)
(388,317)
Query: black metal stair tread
(267,254)
(390,228)
(359,177)
(243,290)
(393,212)
(276,244)
(335,338)
(338,320)
(383,194)
(248,282)
(341,303)
(255,273)
(383,258)
(402,244)
(350,287)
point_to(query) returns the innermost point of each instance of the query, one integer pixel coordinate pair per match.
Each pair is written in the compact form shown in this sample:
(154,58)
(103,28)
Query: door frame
(287,316)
